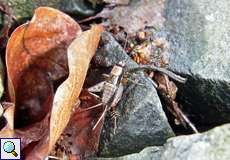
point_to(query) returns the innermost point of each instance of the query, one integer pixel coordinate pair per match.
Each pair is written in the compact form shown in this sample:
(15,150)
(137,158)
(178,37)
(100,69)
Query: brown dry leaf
(151,52)
(166,86)
(134,17)
(80,53)
(35,57)
(37,151)
(168,90)
(79,139)
(34,132)
(138,15)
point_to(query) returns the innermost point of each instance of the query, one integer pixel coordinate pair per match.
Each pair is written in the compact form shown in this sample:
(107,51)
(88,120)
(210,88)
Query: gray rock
(111,53)
(77,7)
(198,32)
(142,121)
(149,153)
(211,145)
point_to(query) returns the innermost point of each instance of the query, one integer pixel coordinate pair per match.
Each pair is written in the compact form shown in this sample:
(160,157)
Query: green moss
(22,8)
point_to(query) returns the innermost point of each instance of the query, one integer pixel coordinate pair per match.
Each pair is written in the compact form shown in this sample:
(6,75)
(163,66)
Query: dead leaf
(168,90)
(80,53)
(34,132)
(35,57)
(166,86)
(151,52)
(37,151)
(79,139)
(138,15)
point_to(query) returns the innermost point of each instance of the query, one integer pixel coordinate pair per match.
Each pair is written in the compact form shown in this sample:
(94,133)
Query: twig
(159,69)
(185,118)
(178,113)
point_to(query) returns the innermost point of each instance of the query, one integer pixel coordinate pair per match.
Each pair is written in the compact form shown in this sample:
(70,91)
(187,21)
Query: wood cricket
(112,88)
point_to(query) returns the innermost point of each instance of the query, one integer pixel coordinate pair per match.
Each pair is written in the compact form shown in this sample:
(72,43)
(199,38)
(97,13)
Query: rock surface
(198,32)
(211,145)
(149,153)
(142,121)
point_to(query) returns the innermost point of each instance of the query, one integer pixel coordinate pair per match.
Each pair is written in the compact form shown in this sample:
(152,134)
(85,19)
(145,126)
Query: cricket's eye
(121,63)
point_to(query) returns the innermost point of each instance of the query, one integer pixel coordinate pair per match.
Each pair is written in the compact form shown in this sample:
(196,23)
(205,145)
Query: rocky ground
(198,34)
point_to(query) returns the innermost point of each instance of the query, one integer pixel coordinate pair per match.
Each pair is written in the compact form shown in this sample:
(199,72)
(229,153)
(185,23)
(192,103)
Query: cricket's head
(118,68)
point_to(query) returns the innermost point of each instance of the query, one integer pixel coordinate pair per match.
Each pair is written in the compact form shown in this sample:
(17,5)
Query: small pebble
(142,35)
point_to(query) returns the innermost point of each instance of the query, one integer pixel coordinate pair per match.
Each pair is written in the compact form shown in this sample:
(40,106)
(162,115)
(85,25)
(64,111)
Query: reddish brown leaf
(33,133)
(138,15)
(80,52)
(79,139)
(166,86)
(85,140)
(36,96)
(36,56)
(38,151)
(134,17)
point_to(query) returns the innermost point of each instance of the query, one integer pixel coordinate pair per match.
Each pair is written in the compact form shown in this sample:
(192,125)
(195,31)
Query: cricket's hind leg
(114,116)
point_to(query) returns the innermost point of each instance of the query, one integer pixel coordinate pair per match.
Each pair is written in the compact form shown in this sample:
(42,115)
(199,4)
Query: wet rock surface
(211,145)
(198,32)
(77,7)
(149,153)
(142,121)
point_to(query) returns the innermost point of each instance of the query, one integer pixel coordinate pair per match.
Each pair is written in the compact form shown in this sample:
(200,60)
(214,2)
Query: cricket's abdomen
(108,92)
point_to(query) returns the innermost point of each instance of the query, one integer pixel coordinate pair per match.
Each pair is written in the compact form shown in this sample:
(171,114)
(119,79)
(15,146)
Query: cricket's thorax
(115,75)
